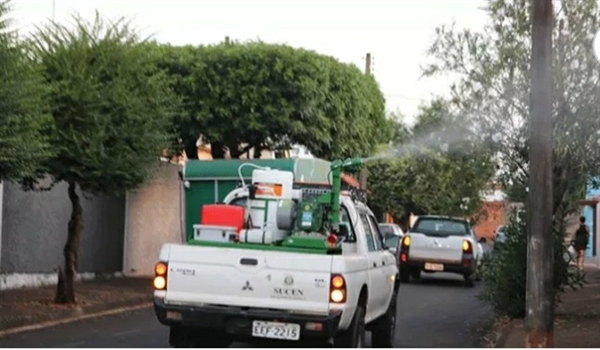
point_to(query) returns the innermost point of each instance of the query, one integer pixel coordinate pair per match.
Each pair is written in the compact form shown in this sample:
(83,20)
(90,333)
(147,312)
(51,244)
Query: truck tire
(384,330)
(180,337)
(469,283)
(415,273)
(354,336)
(184,337)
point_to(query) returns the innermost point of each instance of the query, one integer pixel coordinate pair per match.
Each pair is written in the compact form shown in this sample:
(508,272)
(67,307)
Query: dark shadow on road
(438,280)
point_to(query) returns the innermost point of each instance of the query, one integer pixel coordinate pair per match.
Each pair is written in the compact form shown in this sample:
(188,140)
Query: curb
(504,334)
(47,324)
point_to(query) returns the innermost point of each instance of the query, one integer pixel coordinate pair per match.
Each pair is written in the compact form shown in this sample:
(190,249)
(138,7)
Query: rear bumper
(452,267)
(237,321)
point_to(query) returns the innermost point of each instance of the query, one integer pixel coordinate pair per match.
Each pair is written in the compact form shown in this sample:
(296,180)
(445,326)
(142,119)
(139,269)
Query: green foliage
(493,88)
(178,63)
(24,119)
(110,104)
(268,96)
(504,272)
(434,168)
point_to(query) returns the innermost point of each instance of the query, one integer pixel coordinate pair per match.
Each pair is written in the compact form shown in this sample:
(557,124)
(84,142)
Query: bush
(504,272)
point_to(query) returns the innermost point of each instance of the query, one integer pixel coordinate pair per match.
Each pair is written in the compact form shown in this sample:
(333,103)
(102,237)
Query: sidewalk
(24,307)
(577,321)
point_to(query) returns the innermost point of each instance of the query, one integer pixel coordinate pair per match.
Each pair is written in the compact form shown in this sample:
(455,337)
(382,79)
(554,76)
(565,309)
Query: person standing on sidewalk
(582,237)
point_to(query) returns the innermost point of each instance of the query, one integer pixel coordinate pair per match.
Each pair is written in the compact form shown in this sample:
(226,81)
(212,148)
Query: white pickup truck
(213,296)
(440,244)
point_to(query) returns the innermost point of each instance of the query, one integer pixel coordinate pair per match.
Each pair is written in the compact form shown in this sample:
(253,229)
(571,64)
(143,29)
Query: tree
(435,167)
(493,87)
(179,63)
(243,96)
(111,108)
(24,119)
(493,67)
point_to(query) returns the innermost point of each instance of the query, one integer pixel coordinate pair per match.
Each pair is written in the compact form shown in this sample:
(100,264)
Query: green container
(209,181)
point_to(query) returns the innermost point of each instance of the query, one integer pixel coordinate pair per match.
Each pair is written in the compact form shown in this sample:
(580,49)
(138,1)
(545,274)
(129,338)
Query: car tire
(469,282)
(354,336)
(384,330)
(404,274)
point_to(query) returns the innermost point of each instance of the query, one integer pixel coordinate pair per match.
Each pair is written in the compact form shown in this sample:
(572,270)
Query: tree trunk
(191,150)
(217,151)
(65,290)
(257,151)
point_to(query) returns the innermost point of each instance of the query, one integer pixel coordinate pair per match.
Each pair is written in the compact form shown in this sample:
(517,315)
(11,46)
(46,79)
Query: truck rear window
(440,227)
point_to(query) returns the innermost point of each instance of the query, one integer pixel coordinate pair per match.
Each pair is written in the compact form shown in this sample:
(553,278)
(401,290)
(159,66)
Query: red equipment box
(223,215)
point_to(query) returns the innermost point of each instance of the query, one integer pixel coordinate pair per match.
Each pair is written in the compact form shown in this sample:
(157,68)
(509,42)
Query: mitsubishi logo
(247,286)
(289,280)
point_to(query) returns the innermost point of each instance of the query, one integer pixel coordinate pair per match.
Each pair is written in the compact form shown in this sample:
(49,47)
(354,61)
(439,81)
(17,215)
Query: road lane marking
(48,324)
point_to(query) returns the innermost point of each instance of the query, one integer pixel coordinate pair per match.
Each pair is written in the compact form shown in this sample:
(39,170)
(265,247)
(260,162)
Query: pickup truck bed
(211,295)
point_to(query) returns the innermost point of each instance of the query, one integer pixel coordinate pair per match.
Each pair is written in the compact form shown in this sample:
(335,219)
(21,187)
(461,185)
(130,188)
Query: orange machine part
(269,190)
(223,215)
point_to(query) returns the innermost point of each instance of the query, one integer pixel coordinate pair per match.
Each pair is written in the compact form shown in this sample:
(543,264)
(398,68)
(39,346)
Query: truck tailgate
(248,278)
(436,249)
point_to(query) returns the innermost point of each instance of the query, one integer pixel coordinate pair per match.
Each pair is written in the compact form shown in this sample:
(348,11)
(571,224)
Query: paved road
(436,312)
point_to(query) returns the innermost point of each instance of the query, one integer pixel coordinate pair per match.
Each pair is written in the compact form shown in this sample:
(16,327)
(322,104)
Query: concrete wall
(34,231)
(153,217)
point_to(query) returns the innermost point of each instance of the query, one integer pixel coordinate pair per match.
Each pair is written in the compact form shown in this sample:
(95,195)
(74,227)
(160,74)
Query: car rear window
(440,226)
(392,241)
(386,230)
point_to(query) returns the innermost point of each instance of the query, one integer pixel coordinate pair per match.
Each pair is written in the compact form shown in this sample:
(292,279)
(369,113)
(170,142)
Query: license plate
(434,267)
(276,330)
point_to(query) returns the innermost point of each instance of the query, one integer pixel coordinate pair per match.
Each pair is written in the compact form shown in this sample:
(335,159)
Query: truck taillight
(404,248)
(467,247)
(337,289)
(160,276)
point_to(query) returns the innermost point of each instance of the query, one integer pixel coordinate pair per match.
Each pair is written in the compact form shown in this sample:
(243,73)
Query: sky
(395,32)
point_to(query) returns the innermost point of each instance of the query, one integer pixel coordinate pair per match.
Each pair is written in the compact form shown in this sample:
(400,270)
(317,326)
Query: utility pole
(540,257)
(362,178)
(53,10)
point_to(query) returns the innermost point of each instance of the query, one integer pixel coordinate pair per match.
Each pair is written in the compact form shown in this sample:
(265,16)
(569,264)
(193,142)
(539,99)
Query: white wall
(153,217)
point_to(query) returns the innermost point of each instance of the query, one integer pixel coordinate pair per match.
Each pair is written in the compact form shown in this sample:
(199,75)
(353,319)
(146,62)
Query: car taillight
(467,247)
(160,276)
(337,289)
(404,248)
(406,242)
